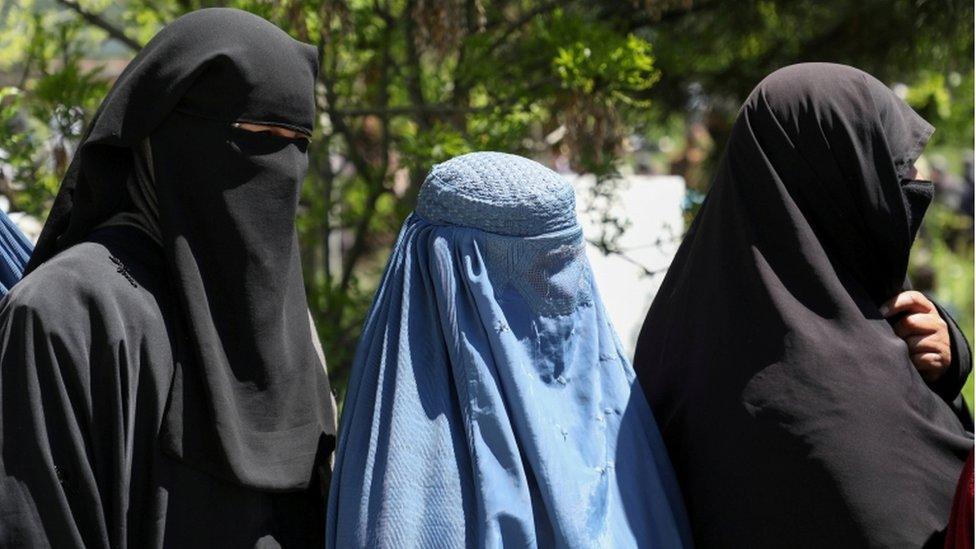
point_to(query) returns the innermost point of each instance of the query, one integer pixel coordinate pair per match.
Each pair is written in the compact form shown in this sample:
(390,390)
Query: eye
(276,132)
(251,142)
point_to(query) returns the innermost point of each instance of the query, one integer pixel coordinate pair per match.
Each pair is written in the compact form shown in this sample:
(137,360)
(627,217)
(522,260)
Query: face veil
(249,400)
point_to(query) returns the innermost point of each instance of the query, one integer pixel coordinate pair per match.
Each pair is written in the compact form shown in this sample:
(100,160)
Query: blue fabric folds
(490,403)
(15,250)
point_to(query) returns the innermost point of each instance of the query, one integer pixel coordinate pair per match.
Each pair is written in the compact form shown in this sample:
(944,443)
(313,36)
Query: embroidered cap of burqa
(789,406)
(249,400)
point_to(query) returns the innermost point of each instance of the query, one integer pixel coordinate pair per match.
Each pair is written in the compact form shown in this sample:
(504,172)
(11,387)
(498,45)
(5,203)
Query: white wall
(652,205)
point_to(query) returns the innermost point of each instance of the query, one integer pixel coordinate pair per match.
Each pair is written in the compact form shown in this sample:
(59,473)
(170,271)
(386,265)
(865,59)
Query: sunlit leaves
(947,102)
(610,64)
(404,84)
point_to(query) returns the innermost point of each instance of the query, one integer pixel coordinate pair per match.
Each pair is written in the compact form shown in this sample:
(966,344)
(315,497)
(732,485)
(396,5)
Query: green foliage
(404,84)
(43,116)
(945,100)
(625,60)
(713,55)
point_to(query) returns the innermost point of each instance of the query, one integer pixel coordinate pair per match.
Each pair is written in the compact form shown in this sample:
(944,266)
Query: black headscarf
(790,408)
(249,400)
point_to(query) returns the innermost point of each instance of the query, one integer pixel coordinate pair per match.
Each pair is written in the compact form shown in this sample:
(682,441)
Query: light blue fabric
(15,250)
(489,402)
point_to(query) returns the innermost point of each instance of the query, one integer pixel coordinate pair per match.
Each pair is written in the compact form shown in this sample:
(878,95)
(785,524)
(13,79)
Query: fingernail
(884,310)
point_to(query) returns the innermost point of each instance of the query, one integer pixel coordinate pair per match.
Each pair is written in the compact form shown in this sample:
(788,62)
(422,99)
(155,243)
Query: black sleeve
(950,385)
(48,496)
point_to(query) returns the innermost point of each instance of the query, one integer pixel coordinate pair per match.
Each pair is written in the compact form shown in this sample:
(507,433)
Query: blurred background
(631,99)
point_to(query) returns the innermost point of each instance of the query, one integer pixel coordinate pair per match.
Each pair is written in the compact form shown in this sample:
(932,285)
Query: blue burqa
(15,250)
(490,403)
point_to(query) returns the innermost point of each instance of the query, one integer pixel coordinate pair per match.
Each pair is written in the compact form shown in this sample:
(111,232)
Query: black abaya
(87,368)
(791,410)
(249,399)
(168,393)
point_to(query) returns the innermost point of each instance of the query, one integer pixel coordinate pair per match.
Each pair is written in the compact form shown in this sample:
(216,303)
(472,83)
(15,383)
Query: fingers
(907,302)
(920,324)
(931,366)
(924,331)
(927,337)
(930,343)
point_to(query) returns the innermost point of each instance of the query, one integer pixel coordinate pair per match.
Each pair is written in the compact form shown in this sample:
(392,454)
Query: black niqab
(791,410)
(249,400)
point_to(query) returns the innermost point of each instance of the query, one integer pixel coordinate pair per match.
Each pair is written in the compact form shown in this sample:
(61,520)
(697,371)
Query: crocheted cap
(499,193)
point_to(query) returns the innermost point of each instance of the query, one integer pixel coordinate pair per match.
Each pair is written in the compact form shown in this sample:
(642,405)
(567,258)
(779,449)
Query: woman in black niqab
(159,384)
(790,408)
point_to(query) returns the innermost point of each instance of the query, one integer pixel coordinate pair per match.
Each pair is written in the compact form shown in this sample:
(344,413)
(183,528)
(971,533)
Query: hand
(926,334)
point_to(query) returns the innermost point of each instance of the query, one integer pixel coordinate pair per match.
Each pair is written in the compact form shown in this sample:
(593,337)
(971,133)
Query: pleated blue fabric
(15,250)
(490,403)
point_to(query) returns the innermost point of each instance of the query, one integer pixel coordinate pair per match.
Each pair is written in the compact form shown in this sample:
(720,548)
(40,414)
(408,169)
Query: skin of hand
(276,130)
(916,320)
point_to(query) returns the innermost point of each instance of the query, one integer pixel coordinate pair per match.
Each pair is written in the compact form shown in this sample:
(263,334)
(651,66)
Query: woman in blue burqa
(490,403)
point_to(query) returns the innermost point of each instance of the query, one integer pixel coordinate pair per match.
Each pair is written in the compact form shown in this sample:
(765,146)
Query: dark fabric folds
(85,373)
(790,409)
(249,400)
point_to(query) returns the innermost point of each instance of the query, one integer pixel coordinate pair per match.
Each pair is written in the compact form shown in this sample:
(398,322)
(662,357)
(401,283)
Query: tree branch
(645,271)
(414,71)
(358,247)
(645,20)
(102,23)
(378,189)
(461,89)
(520,22)
(409,110)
